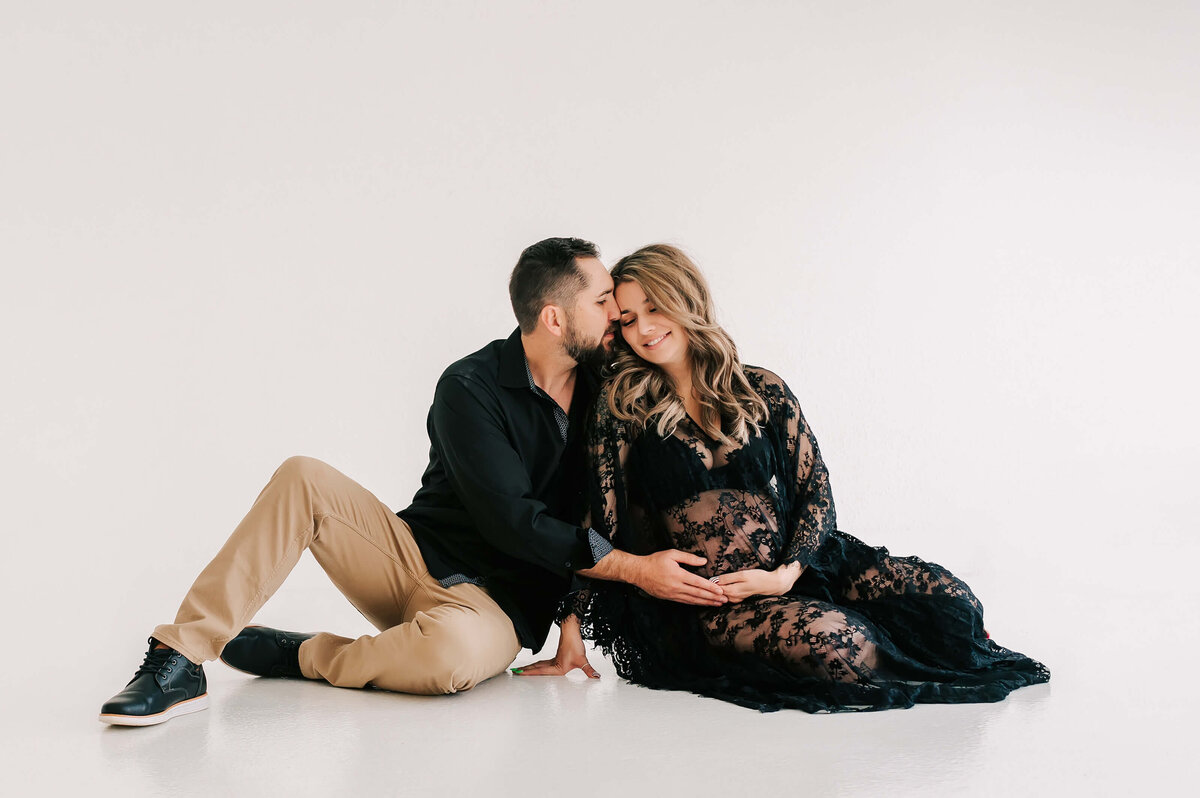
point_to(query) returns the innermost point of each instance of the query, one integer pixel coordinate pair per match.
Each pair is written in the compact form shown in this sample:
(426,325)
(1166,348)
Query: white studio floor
(1109,723)
(963,232)
(1100,591)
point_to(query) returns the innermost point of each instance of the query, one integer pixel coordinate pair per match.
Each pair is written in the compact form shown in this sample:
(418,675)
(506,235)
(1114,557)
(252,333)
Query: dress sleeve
(812,515)
(607,455)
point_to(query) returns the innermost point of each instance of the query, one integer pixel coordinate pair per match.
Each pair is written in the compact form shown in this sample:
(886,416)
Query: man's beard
(591,355)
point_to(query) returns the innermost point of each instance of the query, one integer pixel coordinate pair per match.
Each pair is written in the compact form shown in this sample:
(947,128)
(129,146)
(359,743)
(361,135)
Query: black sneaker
(263,651)
(168,684)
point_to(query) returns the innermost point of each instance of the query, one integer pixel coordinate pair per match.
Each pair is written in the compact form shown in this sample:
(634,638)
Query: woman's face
(650,334)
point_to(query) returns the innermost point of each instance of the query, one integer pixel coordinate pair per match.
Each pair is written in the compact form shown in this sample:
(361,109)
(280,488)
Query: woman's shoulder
(765,382)
(781,402)
(758,374)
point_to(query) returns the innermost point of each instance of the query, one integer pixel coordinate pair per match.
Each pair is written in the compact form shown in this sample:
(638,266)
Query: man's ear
(552,318)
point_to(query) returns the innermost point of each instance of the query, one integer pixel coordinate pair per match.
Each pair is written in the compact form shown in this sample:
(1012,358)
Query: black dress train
(859,630)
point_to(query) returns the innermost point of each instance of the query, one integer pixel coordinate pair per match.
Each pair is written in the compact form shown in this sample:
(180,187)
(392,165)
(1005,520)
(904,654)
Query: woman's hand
(571,655)
(741,585)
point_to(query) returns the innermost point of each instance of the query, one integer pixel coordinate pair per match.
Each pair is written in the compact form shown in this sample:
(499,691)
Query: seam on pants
(262,589)
(417,585)
(376,546)
(454,601)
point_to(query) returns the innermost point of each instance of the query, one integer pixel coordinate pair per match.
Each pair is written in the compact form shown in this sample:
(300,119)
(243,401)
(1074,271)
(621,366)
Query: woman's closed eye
(627,321)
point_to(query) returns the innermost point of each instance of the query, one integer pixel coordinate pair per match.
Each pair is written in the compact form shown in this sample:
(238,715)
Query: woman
(694,451)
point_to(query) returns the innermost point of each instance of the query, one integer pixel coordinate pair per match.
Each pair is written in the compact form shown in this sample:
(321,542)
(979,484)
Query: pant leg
(367,551)
(453,639)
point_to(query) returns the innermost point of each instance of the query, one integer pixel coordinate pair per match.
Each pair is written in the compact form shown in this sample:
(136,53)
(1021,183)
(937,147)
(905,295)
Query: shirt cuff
(599,545)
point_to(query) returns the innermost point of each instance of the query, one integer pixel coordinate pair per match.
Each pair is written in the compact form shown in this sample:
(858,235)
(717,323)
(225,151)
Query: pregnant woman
(692,450)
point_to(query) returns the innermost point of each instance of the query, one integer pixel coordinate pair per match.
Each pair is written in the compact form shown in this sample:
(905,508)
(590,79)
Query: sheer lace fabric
(860,629)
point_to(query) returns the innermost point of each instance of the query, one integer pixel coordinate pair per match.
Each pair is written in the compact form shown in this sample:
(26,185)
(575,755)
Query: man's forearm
(616,566)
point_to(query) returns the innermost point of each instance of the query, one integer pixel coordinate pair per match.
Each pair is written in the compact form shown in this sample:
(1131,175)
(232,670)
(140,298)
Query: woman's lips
(654,344)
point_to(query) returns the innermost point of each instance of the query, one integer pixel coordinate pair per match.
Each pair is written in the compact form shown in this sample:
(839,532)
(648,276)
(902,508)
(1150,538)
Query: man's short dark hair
(547,274)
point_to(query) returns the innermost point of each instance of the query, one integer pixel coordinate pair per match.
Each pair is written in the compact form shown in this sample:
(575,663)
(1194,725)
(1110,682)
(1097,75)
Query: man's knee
(299,468)
(464,651)
(457,661)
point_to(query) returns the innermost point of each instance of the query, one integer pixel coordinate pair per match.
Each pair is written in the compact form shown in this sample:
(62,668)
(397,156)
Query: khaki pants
(431,639)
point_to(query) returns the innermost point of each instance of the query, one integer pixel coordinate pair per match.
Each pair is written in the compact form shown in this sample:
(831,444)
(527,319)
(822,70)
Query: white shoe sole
(182,708)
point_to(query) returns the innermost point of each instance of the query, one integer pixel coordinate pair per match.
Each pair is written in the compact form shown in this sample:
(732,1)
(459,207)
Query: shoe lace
(289,654)
(156,658)
(289,650)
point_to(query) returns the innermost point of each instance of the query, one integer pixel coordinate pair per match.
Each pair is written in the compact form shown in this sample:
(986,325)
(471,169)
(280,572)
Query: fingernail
(518,670)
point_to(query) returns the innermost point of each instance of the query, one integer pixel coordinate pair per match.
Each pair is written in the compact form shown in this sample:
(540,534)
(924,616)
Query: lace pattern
(861,629)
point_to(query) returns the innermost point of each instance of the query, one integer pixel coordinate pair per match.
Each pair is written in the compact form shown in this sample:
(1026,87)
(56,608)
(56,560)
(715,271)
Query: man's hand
(741,585)
(571,655)
(661,575)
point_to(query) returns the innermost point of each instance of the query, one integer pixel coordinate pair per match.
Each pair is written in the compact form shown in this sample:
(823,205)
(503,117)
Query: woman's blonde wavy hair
(642,394)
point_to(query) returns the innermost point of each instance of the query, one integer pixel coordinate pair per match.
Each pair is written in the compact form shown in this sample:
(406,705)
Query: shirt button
(567,564)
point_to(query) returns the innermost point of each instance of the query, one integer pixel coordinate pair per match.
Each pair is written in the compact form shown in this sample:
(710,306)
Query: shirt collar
(514,367)
(529,376)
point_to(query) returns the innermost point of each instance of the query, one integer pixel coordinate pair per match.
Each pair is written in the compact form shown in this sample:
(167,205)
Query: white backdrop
(965,233)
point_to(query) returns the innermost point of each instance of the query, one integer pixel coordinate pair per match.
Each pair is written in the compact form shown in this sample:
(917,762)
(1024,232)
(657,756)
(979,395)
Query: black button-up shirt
(500,500)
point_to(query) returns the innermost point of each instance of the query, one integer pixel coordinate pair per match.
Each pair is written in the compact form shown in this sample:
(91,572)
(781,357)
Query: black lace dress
(859,630)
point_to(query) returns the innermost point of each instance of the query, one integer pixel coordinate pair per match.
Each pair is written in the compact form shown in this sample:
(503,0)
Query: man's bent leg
(454,639)
(306,504)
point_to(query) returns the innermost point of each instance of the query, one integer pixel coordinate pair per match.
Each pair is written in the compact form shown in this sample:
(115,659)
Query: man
(466,575)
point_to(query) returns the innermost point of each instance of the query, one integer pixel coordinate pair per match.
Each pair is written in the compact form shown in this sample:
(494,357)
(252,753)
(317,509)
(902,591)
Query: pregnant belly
(733,530)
